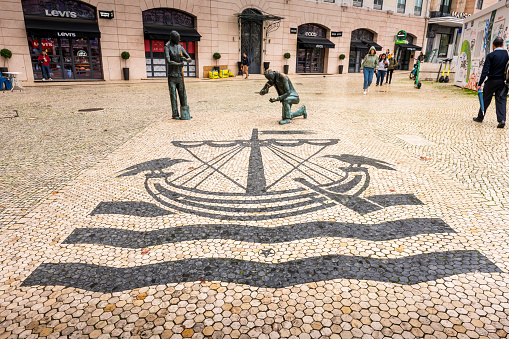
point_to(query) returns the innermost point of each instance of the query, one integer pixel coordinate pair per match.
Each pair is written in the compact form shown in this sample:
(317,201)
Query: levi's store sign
(45,44)
(66,9)
(62,14)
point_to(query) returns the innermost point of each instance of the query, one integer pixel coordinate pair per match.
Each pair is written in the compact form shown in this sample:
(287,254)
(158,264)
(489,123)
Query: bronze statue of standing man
(287,95)
(176,55)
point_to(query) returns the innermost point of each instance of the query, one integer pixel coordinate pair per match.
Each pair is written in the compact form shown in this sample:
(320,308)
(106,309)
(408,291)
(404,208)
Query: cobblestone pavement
(378,216)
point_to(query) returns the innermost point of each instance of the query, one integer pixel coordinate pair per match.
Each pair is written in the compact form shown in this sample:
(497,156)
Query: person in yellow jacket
(392,66)
(369,67)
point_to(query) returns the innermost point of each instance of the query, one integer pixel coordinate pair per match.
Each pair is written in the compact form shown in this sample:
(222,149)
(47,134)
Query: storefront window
(311,54)
(71,59)
(444,45)
(156,62)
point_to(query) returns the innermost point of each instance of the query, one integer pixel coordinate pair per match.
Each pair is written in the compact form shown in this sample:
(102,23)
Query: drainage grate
(91,109)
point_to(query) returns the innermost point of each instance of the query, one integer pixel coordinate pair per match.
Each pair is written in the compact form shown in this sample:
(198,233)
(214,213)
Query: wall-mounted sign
(67,9)
(336,34)
(401,37)
(106,14)
(460,15)
(62,14)
(293,30)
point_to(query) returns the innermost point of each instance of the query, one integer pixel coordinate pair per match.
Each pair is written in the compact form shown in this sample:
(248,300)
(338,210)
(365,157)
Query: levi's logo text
(62,14)
(66,34)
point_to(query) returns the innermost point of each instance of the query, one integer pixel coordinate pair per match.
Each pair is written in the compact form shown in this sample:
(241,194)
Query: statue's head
(270,75)
(174,37)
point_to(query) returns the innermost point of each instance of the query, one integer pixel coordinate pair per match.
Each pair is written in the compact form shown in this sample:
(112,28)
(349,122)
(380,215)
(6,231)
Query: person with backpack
(392,66)
(369,66)
(382,69)
(495,69)
(245,64)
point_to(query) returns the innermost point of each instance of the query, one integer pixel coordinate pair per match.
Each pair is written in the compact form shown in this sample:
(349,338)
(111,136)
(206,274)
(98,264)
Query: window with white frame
(479,4)
(377,4)
(401,6)
(418,7)
(357,3)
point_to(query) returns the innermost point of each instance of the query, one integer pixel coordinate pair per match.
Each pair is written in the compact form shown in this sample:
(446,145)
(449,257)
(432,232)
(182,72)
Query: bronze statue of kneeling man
(287,95)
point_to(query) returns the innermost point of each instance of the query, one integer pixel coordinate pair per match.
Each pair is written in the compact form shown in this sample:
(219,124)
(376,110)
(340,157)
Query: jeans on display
(368,76)
(380,75)
(45,72)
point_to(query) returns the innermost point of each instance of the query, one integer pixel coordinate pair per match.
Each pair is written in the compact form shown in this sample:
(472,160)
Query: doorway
(251,39)
(71,59)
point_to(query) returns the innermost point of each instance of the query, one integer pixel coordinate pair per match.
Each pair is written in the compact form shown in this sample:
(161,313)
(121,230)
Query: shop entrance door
(310,60)
(251,40)
(71,59)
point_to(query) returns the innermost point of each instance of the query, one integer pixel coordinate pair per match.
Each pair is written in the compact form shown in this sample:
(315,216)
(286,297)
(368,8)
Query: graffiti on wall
(477,36)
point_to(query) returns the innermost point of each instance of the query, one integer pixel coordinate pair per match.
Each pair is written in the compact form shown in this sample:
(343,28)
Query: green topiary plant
(342,56)
(125,55)
(287,55)
(216,56)
(7,54)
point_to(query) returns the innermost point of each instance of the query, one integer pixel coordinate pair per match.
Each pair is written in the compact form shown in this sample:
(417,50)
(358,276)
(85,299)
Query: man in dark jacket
(245,64)
(494,69)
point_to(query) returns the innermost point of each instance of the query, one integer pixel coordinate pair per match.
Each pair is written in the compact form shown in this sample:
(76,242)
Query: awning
(358,45)
(315,42)
(373,44)
(160,32)
(410,47)
(68,28)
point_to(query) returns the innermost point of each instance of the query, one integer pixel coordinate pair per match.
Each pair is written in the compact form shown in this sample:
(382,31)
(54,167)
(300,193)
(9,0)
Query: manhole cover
(91,109)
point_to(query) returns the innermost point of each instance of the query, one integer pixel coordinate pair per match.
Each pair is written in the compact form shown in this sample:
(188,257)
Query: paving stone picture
(125,223)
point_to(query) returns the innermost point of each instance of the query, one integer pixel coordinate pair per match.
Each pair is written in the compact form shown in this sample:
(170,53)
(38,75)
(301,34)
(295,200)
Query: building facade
(445,25)
(85,39)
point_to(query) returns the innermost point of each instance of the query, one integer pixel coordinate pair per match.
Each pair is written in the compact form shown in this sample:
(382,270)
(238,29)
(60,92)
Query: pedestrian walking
(494,70)
(421,57)
(392,66)
(245,64)
(369,66)
(44,61)
(382,69)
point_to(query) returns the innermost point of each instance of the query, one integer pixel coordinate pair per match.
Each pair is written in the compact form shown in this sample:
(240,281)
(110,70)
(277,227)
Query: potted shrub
(6,54)
(216,57)
(341,58)
(286,56)
(125,55)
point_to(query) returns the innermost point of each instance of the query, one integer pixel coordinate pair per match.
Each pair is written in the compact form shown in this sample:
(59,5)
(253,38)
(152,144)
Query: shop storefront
(404,50)
(157,25)
(312,43)
(361,41)
(68,31)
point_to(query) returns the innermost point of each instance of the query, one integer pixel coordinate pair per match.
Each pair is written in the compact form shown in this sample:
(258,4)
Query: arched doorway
(361,40)
(311,48)
(251,38)
(157,25)
(404,52)
(69,33)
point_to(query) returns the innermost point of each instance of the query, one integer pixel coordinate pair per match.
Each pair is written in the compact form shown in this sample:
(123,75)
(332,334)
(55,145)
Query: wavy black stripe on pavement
(408,270)
(376,232)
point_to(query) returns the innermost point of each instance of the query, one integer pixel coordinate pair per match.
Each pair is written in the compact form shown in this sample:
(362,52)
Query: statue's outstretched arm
(265,88)
(186,55)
